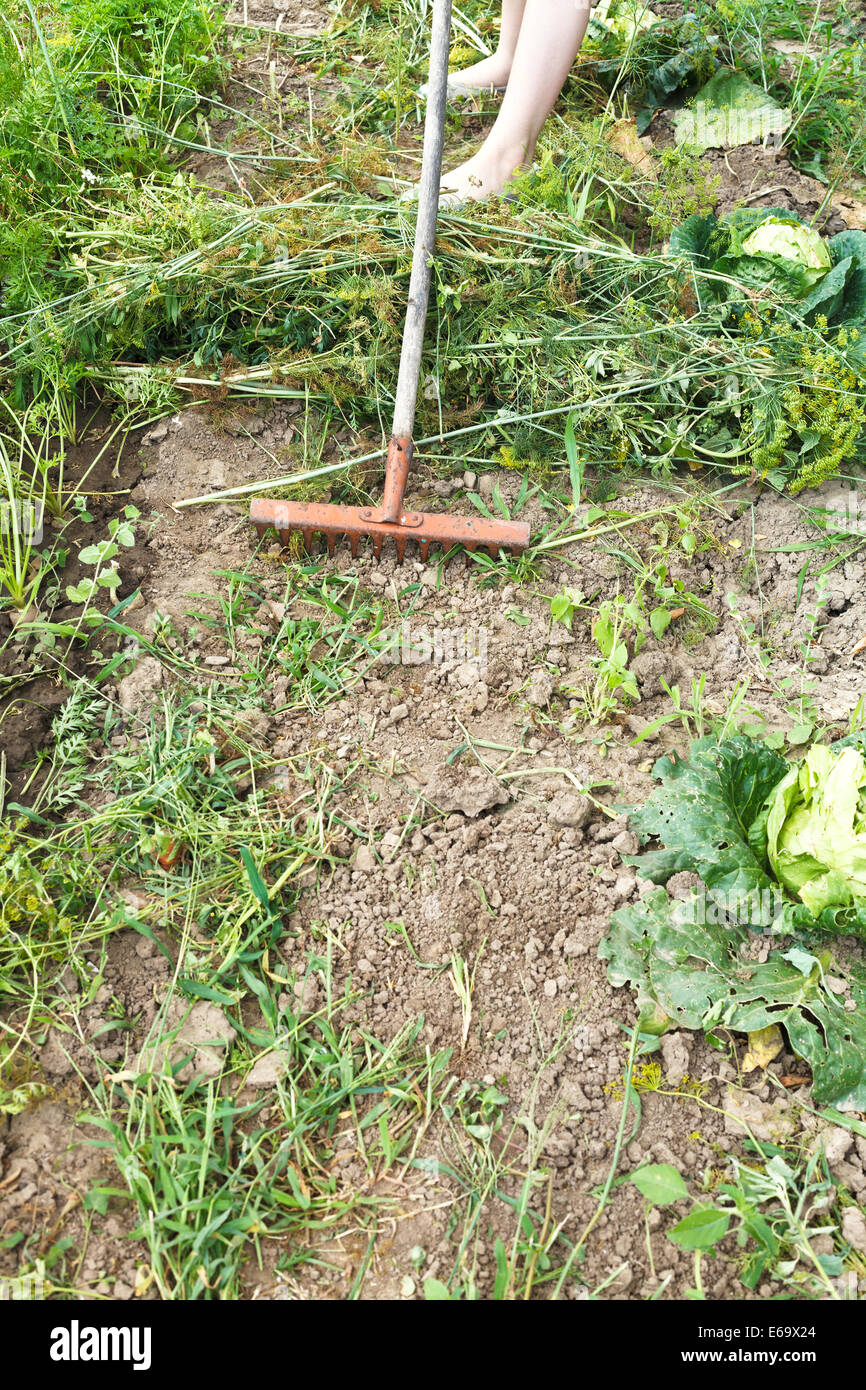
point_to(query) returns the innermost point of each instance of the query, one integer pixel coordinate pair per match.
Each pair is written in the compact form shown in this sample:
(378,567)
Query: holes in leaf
(807,1013)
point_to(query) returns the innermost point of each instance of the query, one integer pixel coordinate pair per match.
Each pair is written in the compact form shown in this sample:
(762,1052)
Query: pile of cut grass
(544,311)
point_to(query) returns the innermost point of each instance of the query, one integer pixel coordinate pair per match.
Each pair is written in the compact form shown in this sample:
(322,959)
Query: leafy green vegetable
(625,18)
(703,813)
(663,80)
(853,245)
(828,295)
(695,973)
(663,54)
(816,829)
(771,249)
(724,815)
(729,110)
(782,236)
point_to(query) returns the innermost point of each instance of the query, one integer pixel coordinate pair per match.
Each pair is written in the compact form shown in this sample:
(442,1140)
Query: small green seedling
(773,1210)
(101,558)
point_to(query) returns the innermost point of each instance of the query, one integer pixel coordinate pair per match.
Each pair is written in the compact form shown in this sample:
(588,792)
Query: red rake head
(355,523)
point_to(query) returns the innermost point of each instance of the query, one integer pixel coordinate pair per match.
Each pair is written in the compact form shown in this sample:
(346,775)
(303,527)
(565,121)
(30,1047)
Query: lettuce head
(792,240)
(625,18)
(780,252)
(816,829)
(768,249)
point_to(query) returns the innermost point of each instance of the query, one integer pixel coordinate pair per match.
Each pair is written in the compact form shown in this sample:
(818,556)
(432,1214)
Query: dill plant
(811,425)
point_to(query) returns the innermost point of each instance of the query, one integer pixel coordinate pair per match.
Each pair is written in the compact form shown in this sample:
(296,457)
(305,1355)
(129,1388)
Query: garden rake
(390,521)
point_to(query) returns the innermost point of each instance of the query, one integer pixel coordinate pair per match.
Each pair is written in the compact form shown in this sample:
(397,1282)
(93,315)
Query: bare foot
(485,174)
(490,72)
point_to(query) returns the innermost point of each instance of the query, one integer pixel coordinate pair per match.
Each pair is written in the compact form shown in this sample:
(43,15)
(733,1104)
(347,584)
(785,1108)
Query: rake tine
(335,524)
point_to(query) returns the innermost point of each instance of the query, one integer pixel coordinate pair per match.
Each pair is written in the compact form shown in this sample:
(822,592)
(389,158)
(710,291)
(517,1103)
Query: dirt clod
(571,810)
(676,1050)
(854,1228)
(470,790)
(133,691)
(267,1070)
(202,1035)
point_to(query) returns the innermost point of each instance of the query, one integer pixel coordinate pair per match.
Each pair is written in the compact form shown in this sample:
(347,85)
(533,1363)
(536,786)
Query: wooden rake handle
(400,449)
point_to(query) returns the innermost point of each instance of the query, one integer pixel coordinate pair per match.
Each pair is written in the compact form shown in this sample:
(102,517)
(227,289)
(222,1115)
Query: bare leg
(494,71)
(550,35)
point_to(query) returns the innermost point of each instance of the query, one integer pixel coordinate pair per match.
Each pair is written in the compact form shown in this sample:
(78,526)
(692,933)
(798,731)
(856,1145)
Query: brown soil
(290,17)
(512,886)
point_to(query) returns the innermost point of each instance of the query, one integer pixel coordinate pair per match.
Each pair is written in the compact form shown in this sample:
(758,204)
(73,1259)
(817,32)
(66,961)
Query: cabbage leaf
(778,850)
